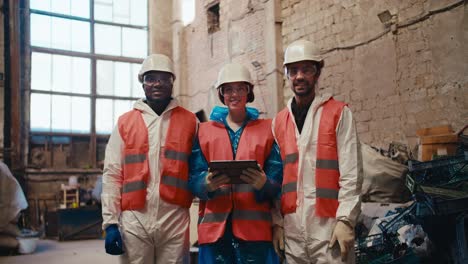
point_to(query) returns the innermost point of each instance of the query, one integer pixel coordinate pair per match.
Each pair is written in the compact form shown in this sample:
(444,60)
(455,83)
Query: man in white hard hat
(320,199)
(145,198)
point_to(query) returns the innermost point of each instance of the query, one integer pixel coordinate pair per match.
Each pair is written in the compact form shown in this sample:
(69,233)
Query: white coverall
(306,235)
(159,233)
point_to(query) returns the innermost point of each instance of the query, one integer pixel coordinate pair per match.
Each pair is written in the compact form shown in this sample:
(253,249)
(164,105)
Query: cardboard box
(440,141)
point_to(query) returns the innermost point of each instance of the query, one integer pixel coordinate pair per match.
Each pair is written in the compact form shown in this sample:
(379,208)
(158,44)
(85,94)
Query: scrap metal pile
(431,228)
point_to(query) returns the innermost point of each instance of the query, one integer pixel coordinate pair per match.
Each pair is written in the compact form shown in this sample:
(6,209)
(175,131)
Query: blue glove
(114,245)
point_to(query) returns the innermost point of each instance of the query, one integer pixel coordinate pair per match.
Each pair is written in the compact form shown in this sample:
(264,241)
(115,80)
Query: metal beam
(85,55)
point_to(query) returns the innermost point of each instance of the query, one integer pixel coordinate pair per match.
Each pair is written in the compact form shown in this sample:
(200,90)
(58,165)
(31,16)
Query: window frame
(94,138)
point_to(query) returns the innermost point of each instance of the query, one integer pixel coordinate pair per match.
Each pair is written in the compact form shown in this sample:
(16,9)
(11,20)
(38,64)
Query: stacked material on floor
(429,228)
(12,201)
(386,235)
(436,141)
(383,176)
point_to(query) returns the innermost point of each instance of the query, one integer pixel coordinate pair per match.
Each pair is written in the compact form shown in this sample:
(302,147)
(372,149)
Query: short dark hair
(319,66)
(250,95)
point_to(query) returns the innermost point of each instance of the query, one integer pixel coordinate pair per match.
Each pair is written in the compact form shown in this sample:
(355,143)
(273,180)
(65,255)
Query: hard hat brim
(140,75)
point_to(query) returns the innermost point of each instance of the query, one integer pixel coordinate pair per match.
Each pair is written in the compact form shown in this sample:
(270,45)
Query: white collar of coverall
(319,100)
(146,109)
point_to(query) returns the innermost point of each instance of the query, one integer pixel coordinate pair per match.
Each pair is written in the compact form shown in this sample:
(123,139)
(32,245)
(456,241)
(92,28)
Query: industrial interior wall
(238,38)
(2,86)
(397,78)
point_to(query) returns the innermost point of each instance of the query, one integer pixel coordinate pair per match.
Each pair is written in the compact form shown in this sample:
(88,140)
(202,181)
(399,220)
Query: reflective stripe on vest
(135,169)
(327,168)
(236,215)
(251,221)
(135,158)
(133,186)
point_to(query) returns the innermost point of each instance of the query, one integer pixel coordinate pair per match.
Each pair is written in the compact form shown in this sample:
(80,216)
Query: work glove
(114,245)
(344,235)
(278,241)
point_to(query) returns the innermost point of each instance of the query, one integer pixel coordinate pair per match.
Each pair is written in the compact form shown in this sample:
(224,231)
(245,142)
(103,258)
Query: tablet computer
(233,168)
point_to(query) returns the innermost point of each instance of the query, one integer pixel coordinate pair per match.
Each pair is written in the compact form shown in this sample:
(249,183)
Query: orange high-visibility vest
(173,187)
(327,172)
(251,221)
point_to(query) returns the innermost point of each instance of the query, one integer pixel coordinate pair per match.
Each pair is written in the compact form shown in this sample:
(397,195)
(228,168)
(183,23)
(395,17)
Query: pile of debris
(429,226)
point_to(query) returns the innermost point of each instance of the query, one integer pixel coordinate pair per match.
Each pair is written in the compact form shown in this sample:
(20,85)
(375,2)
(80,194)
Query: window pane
(61,116)
(121,11)
(80,36)
(138,12)
(40,30)
(108,39)
(61,73)
(103,10)
(40,112)
(105,77)
(104,118)
(40,4)
(81,114)
(81,75)
(134,43)
(137,89)
(61,33)
(120,107)
(132,12)
(60,6)
(80,8)
(122,79)
(40,71)
(188,11)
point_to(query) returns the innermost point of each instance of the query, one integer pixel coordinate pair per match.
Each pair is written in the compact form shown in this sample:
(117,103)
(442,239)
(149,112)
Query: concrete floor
(70,252)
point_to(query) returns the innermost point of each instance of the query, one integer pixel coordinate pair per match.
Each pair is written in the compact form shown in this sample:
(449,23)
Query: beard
(309,88)
(165,94)
(158,100)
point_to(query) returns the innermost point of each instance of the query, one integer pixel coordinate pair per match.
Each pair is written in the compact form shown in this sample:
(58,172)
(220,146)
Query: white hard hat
(302,50)
(233,72)
(156,62)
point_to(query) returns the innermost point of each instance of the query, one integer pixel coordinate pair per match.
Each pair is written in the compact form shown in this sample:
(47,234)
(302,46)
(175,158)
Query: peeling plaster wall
(395,82)
(240,39)
(2,86)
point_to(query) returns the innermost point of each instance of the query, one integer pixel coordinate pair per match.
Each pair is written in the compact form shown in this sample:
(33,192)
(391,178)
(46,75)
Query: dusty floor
(70,252)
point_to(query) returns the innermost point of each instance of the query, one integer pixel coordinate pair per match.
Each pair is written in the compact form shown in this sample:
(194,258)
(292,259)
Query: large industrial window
(85,56)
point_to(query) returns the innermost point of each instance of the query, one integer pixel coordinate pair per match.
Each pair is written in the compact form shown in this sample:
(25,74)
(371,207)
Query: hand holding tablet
(233,169)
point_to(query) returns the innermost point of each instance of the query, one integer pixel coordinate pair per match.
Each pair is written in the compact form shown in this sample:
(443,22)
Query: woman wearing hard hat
(235,220)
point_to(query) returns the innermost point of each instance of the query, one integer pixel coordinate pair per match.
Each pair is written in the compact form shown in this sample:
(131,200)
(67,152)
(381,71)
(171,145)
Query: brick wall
(240,39)
(2,87)
(395,82)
